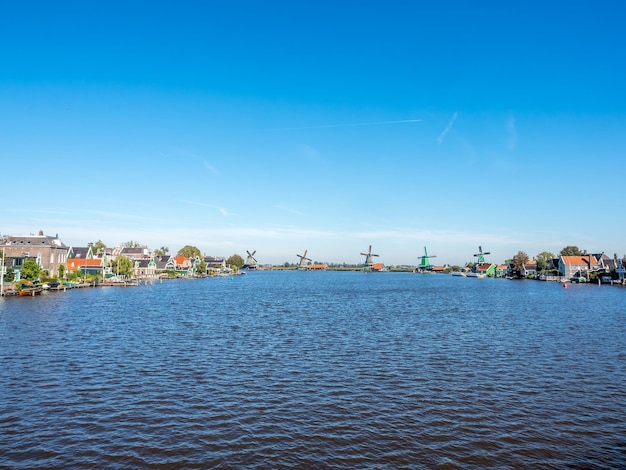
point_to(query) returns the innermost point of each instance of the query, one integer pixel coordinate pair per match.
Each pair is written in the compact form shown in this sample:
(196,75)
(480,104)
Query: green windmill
(424,264)
(481,255)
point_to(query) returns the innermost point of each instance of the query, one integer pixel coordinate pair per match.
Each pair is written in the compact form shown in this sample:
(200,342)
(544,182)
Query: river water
(316,370)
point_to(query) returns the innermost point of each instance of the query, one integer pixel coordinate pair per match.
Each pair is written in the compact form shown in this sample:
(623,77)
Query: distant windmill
(369,264)
(425,262)
(481,255)
(251,262)
(303,261)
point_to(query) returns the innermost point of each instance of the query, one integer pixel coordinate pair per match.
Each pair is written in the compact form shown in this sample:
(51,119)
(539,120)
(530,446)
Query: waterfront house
(529,269)
(182,263)
(501,270)
(80,252)
(216,262)
(145,268)
(576,266)
(485,268)
(49,252)
(132,252)
(91,266)
(164,263)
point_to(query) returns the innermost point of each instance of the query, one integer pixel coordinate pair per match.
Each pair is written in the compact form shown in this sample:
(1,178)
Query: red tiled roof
(77,263)
(579,260)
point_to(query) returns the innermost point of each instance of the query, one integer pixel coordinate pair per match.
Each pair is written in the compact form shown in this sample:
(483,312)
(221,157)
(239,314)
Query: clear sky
(327,126)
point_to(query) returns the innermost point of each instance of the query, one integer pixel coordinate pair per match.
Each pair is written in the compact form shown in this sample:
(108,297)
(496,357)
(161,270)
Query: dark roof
(34,240)
(80,251)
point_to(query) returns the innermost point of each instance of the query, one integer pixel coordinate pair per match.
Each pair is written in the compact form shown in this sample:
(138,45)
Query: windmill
(303,261)
(251,262)
(424,262)
(481,255)
(369,264)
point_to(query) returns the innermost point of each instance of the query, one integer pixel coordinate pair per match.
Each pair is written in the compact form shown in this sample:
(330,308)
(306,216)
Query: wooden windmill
(369,263)
(251,262)
(303,261)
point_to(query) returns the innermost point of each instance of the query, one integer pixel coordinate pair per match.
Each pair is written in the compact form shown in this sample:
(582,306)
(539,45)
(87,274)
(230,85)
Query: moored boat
(26,291)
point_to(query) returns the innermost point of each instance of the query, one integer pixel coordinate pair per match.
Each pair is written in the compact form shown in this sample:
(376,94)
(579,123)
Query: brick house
(49,252)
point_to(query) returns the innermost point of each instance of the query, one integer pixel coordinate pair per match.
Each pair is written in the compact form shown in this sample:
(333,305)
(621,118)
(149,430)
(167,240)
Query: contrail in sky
(354,124)
(448,127)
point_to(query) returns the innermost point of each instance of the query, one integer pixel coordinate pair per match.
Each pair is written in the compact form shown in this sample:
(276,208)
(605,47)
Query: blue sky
(315,125)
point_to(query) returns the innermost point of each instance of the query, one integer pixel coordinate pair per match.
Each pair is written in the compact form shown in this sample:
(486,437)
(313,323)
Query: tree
(189,251)
(161,251)
(544,261)
(62,271)
(98,247)
(30,270)
(519,261)
(570,250)
(9,275)
(235,260)
(131,244)
(201,267)
(122,266)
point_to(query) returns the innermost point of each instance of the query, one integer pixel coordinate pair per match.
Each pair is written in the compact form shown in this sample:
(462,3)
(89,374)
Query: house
(577,266)
(80,252)
(215,262)
(488,269)
(182,262)
(132,252)
(145,268)
(501,270)
(164,263)
(529,269)
(49,252)
(317,267)
(92,266)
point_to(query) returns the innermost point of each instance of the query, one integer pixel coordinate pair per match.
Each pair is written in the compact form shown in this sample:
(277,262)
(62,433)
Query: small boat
(26,291)
(478,275)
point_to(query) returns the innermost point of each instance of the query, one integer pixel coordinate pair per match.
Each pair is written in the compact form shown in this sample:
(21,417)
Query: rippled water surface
(316,370)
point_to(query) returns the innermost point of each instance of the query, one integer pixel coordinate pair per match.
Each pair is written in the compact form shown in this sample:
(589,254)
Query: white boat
(478,275)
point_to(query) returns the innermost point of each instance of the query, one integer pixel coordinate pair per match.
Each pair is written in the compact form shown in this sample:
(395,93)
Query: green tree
(131,244)
(62,271)
(30,270)
(519,261)
(544,261)
(235,260)
(161,251)
(122,266)
(98,247)
(189,251)
(9,275)
(201,267)
(570,250)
